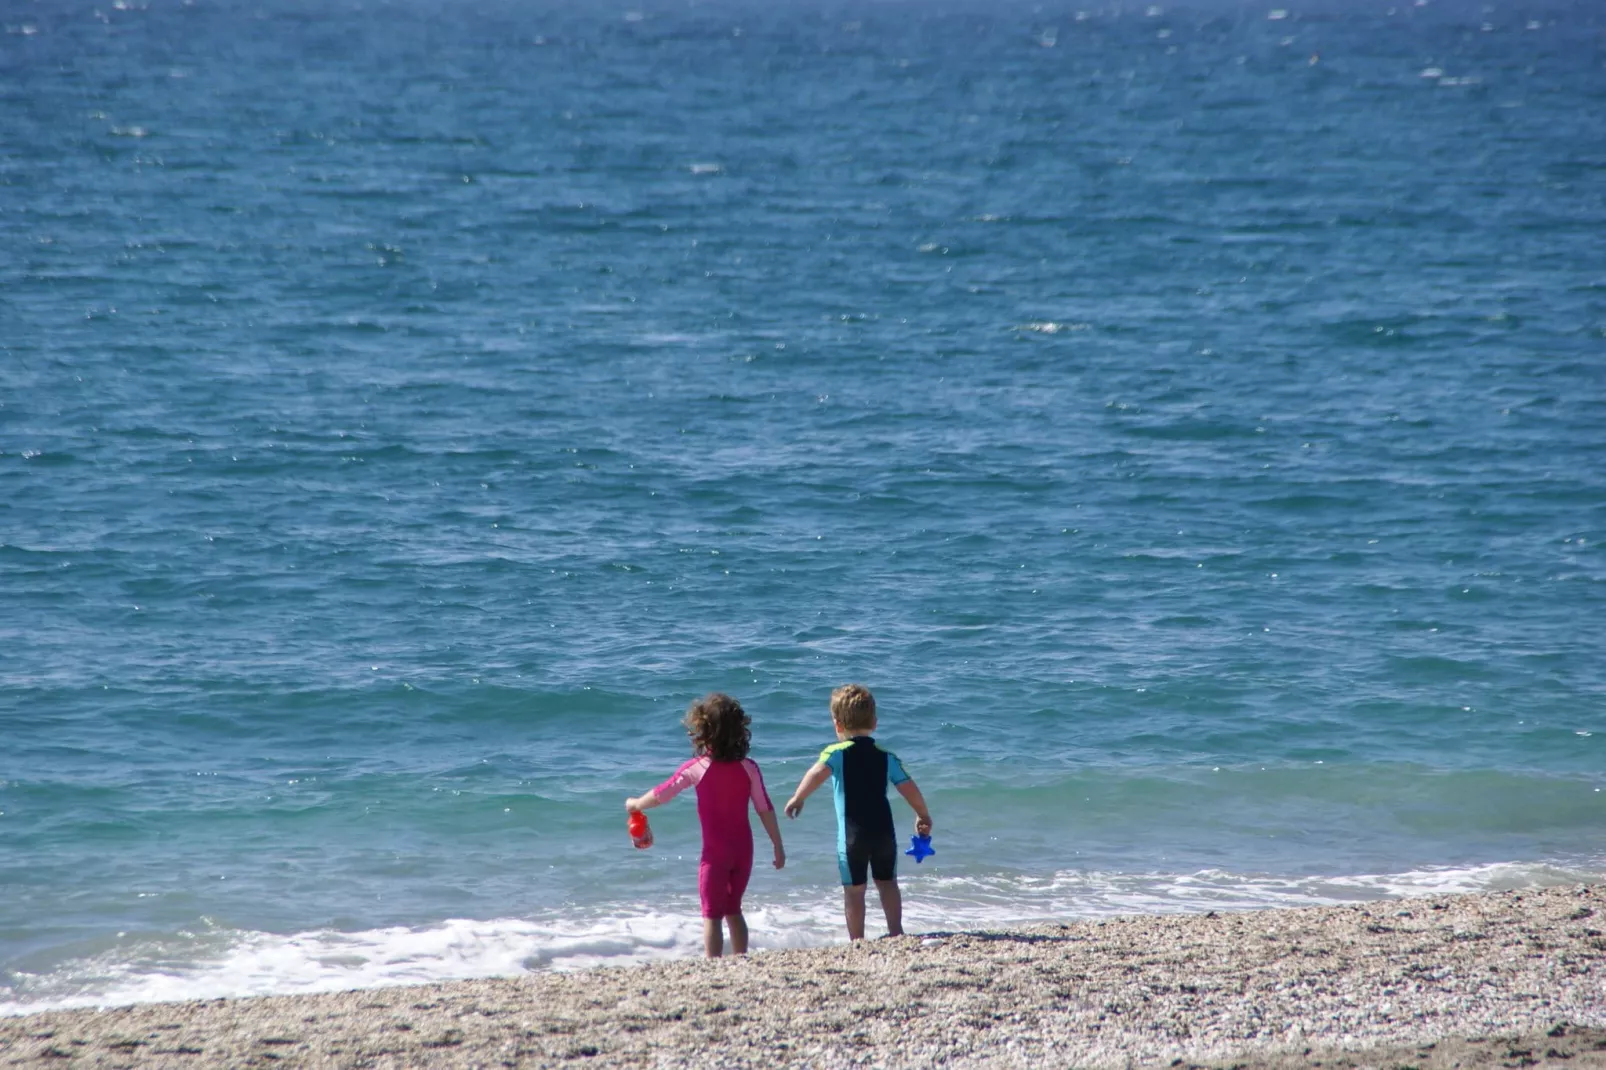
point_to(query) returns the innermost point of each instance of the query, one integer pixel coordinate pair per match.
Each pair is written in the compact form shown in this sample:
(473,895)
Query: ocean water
(1189,420)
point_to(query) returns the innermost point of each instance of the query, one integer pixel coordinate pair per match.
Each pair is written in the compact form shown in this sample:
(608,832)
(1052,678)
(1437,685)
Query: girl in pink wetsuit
(726,780)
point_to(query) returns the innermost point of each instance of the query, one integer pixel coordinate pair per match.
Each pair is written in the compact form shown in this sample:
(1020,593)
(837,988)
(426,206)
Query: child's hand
(923,826)
(794,806)
(780,857)
(632,806)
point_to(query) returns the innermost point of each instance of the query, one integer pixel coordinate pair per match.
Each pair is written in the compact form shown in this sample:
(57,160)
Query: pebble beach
(1510,979)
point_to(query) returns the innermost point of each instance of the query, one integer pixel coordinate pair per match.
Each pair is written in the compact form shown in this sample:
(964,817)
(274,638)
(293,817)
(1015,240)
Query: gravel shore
(1510,979)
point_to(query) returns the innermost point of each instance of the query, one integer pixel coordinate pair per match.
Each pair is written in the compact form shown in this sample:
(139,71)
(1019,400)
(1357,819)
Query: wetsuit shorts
(872,851)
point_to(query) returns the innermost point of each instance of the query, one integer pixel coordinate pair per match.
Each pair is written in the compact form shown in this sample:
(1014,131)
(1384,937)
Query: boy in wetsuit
(860,771)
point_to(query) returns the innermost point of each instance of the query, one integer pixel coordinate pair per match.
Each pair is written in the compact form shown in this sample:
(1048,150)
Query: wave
(216,962)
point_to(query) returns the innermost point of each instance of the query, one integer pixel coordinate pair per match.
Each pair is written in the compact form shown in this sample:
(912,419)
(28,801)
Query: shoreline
(1484,979)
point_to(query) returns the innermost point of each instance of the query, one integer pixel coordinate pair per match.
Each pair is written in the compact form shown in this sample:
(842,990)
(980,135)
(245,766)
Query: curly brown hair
(719,728)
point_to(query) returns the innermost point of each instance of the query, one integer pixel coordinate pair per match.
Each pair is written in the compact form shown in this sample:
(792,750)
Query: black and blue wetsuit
(865,838)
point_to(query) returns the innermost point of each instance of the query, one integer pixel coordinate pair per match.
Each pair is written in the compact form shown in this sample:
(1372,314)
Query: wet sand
(1512,979)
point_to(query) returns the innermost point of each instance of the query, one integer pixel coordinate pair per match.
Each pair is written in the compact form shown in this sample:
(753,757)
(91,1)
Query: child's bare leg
(891,905)
(713,938)
(853,908)
(738,927)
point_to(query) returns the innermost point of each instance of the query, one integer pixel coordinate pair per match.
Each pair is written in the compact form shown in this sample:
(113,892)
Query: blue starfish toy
(920,848)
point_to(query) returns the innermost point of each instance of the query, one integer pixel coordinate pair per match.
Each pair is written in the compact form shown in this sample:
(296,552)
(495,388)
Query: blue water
(1191,422)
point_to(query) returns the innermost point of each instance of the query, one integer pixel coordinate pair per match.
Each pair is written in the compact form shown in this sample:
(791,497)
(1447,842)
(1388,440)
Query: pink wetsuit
(723,791)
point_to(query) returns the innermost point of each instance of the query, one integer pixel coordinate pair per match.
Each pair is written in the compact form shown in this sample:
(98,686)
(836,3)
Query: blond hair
(853,708)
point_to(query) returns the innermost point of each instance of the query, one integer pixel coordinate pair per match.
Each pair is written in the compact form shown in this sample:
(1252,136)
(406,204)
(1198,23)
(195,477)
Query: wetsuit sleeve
(832,756)
(760,797)
(895,772)
(685,777)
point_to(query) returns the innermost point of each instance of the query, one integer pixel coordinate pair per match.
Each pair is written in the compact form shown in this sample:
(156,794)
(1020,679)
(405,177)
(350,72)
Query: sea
(1188,419)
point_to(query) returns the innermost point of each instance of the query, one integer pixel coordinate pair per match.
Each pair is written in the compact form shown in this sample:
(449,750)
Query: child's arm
(912,796)
(766,809)
(685,777)
(806,787)
(643,802)
(773,827)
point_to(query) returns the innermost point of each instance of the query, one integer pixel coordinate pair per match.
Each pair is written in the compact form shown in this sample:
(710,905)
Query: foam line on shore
(1139,990)
(216,963)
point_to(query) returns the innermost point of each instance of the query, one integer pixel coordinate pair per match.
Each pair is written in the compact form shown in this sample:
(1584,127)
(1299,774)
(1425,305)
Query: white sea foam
(187,966)
(221,963)
(1051,327)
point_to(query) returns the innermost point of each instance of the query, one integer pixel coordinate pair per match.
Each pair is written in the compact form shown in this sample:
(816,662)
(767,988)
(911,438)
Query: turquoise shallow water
(1188,421)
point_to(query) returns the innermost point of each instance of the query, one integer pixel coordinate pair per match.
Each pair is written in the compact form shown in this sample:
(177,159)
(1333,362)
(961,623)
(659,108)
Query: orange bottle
(640,834)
